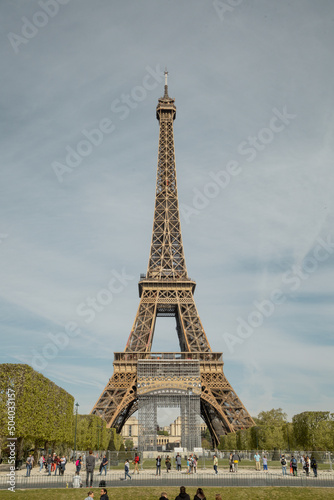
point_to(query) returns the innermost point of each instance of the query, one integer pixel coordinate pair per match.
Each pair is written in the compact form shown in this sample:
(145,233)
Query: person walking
(78,464)
(103,465)
(182,495)
(49,462)
(215,464)
(41,463)
(199,494)
(136,461)
(126,469)
(230,462)
(236,459)
(265,463)
(283,464)
(314,466)
(158,464)
(90,466)
(178,462)
(294,465)
(29,463)
(257,459)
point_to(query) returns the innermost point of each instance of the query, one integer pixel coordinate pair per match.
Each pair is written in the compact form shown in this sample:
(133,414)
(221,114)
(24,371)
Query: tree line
(310,430)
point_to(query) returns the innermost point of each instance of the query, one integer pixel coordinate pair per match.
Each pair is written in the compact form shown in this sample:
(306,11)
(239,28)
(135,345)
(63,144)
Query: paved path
(246,476)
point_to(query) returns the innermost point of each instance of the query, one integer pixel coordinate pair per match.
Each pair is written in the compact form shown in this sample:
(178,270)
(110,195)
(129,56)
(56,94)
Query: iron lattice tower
(166,290)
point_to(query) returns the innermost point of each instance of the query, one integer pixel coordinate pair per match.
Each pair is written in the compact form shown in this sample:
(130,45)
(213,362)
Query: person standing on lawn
(215,464)
(136,461)
(314,466)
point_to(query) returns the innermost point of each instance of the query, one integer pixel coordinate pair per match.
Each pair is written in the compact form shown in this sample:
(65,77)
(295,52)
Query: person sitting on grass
(163,496)
(90,495)
(218,496)
(183,495)
(104,494)
(199,494)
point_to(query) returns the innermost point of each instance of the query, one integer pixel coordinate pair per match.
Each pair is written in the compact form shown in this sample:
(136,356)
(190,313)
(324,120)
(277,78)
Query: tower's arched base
(163,375)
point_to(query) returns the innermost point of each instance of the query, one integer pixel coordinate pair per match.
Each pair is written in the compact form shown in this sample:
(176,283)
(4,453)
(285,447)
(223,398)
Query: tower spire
(166,84)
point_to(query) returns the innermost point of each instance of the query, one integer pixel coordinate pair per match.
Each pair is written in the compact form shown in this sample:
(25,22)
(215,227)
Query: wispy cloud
(60,242)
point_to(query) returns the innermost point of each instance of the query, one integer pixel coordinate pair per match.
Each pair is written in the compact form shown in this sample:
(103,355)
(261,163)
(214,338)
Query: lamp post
(98,438)
(75,432)
(189,438)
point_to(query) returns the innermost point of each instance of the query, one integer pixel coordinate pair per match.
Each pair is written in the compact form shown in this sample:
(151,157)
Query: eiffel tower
(166,290)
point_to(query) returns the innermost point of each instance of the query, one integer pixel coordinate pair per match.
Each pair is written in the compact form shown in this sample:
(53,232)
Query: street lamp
(98,438)
(75,432)
(189,438)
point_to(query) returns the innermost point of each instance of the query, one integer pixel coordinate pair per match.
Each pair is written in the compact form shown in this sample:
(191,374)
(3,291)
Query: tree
(272,429)
(115,441)
(43,411)
(92,433)
(128,444)
(314,430)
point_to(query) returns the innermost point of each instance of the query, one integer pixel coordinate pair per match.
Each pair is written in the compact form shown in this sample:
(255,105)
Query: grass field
(154,493)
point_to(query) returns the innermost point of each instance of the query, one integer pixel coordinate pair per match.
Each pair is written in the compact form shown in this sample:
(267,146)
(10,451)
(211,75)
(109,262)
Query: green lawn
(146,493)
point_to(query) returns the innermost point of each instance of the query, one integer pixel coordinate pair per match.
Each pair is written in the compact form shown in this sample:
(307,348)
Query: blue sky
(253,83)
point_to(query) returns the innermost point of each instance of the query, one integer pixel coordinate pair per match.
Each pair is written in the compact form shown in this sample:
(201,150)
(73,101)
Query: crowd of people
(183,495)
(53,463)
(50,464)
